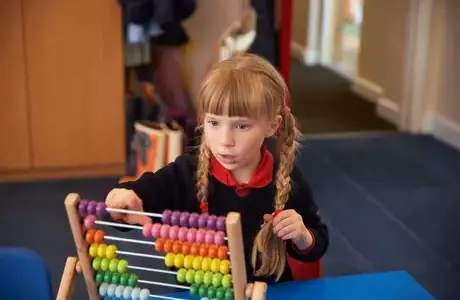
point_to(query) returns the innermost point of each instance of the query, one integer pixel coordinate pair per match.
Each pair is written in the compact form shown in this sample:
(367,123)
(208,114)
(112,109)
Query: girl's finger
(286,230)
(281,216)
(282,224)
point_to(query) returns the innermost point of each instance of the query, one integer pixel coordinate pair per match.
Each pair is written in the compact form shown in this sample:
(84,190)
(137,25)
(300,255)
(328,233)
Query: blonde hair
(249,86)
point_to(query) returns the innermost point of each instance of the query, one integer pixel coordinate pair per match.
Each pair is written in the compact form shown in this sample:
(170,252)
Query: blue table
(398,285)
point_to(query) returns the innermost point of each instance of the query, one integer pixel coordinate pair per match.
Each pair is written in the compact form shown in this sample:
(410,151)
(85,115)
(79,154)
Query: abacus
(193,246)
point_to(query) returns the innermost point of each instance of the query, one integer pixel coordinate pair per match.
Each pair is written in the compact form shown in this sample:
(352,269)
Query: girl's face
(236,141)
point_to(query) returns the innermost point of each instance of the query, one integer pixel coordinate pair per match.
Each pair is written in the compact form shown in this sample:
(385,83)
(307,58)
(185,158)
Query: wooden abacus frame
(82,264)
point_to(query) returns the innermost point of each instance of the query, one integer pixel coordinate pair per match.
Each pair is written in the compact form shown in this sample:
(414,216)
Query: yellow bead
(111,251)
(188,262)
(215,265)
(169,259)
(225,266)
(206,264)
(179,260)
(101,250)
(93,249)
(197,261)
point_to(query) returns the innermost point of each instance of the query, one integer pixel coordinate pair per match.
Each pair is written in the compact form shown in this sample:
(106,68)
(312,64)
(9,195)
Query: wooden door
(14,129)
(75,68)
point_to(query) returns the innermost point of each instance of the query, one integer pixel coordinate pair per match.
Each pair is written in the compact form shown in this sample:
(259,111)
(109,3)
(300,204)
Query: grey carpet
(391,203)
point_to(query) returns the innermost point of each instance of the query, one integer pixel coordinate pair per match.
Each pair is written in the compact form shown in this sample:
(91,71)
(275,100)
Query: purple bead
(175,216)
(82,207)
(91,208)
(183,220)
(211,222)
(202,221)
(220,224)
(166,217)
(100,209)
(193,220)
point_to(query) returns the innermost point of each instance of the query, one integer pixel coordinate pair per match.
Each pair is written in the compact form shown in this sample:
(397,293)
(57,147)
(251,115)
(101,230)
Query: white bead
(119,291)
(144,295)
(127,292)
(135,293)
(111,290)
(103,289)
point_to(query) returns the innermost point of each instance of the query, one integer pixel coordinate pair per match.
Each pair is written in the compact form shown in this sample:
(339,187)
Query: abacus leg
(235,244)
(71,202)
(68,276)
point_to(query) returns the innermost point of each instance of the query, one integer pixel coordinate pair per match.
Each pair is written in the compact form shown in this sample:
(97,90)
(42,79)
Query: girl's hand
(288,225)
(126,199)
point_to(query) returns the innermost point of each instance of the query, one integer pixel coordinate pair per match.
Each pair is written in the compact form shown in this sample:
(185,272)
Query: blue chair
(24,275)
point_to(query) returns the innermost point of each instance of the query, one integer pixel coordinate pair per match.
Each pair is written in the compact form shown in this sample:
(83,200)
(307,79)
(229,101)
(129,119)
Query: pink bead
(156,230)
(191,235)
(219,238)
(173,232)
(147,230)
(209,237)
(200,236)
(90,221)
(164,231)
(183,233)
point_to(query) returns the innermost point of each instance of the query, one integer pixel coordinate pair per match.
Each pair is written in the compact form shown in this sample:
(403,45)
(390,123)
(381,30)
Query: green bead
(217,280)
(229,294)
(203,291)
(220,293)
(194,290)
(105,264)
(122,266)
(124,279)
(211,292)
(207,280)
(181,273)
(115,278)
(199,277)
(132,280)
(227,281)
(190,276)
(113,265)
(97,263)
(107,277)
(100,277)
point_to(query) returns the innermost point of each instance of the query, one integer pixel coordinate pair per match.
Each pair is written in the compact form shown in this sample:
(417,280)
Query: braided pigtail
(268,247)
(202,172)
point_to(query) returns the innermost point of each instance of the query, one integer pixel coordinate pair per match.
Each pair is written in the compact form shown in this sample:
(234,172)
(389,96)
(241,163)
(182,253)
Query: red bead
(186,247)
(99,236)
(89,236)
(176,247)
(204,250)
(222,252)
(159,243)
(89,221)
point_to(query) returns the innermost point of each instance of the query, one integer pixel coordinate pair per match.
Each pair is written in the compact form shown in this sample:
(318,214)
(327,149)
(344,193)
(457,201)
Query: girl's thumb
(138,219)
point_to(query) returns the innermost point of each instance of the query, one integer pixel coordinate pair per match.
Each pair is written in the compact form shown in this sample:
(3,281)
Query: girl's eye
(243,126)
(213,123)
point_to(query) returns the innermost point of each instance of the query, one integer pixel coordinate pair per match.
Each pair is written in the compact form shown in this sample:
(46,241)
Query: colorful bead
(113,266)
(190,276)
(220,224)
(229,294)
(222,252)
(176,247)
(99,236)
(227,281)
(199,276)
(206,264)
(107,277)
(182,234)
(166,217)
(173,232)
(211,292)
(132,280)
(180,276)
(188,261)
(211,222)
(219,238)
(99,277)
(204,249)
(101,250)
(215,265)
(127,292)
(111,290)
(191,235)
(122,266)
(164,231)
(179,260)
(194,290)
(103,289)
(197,262)
(220,293)
(105,262)
(167,246)
(144,295)
(115,279)
(195,249)
(91,208)
(119,291)
(169,259)
(202,291)
(183,219)
(82,207)
(100,209)
(89,236)
(202,221)
(217,280)
(185,248)
(89,221)
(175,217)
(207,280)
(124,279)
(212,252)
(224,266)
(159,244)
(156,229)
(135,294)
(96,263)
(209,237)
(193,220)
(111,251)
(200,236)
(147,230)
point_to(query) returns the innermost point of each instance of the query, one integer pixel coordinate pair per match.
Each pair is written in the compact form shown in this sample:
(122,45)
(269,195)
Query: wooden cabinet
(63,75)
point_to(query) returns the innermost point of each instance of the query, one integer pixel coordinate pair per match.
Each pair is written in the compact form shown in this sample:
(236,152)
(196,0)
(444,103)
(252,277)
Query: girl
(242,102)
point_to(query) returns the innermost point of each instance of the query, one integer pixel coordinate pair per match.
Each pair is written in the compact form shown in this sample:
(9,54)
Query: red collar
(261,178)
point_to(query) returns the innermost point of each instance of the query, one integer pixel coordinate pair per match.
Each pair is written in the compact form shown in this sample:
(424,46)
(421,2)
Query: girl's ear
(274,125)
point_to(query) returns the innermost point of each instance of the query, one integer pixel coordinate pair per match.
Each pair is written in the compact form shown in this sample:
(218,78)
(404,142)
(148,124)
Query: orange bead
(185,248)
(212,253)
(176,247)
(89,236)
(159,244)
(194,249)
(99,236)
(167,246)
(204,250)
(222,252)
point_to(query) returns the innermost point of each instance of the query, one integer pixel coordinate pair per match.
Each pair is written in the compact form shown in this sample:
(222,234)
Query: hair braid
(267,245)
(202,171)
